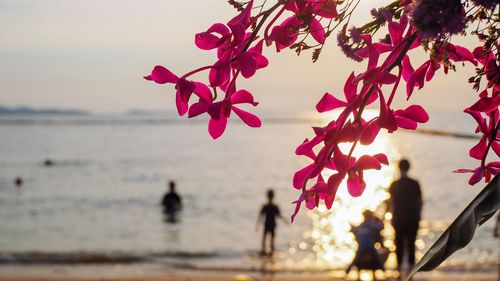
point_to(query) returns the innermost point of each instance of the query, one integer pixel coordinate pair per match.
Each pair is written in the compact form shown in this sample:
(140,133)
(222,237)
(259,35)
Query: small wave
(188,255)
(96,258)
(66,258)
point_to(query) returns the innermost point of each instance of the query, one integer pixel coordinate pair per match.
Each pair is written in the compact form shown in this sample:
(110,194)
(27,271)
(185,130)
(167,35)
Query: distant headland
(25,110)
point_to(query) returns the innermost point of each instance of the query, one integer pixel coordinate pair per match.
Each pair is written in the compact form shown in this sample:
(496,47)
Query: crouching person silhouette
(367,234)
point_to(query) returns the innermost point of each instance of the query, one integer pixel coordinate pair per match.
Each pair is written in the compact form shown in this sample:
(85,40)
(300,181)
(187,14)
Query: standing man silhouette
(406,204)
(269,213)
(171,203)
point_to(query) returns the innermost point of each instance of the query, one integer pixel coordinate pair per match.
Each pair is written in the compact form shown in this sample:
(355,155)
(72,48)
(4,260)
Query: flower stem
(196,71)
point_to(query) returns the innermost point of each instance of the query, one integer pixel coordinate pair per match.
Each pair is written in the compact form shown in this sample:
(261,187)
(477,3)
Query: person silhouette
(406,205)
(268,214)
(18,181)
(171,202)
(367,235)
(496,229)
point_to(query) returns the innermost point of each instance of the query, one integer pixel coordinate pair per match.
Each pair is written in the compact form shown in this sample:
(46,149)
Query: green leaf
(461,231)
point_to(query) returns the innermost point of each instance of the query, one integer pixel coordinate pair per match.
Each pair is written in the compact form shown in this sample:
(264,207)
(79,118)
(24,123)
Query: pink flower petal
(219,28)
(479,119)
(329,102)
(248,65)
(244,17)
(432,70)
(407,68)
(396,30)
(297,203)
(464,170)
(369,134)
(367,162)
(476,176)
(406,123)
(197,108)
(382,48)
(496,147)
(312,200)
(459,53)
(300,176)
(250,119)
(215,110)
(317,31)
(161,75)
(286,33)
(356,186)
(350,88)
(334,183)
(202,91)
(486,104)
(387,78)
(257,49)
(185,88)
(382,158)
(479,149)
(420,74)
(219,74)
(206,41)
(326,8)
(243,96)
(417,113)
(182,107)
(386,118)
(306,148)
(482,55)
(256,52)
(216,127)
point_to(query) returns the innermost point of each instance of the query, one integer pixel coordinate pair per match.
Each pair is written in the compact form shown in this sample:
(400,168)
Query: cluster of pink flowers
(238,49)
(485,112)
(239,52)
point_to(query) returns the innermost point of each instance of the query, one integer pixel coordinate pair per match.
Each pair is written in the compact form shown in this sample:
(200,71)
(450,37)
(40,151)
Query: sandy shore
(156,273)
(229,277)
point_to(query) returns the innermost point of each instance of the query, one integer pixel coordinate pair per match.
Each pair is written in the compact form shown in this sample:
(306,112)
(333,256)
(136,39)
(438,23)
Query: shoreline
(157,272)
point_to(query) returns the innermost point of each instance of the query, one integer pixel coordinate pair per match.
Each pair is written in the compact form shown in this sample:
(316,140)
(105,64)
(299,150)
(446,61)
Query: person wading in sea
(268,214)
(172,203)
(406,205)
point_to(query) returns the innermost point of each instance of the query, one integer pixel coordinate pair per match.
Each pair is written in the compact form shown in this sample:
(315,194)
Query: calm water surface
(102,195)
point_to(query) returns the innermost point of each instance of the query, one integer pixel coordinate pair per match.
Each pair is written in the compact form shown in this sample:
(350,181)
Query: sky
(92,54)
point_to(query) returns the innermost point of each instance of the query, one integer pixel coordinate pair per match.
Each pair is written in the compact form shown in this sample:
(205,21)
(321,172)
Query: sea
(98,200)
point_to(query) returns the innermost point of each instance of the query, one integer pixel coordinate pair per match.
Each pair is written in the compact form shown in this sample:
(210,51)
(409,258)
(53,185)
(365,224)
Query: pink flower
(252,60)
(329,102)
(317,31)
(355,182)
(220,111)
(490,169)
(409,117)
(185,88)
(161,75)
(486,128)
(216,35)
(285,34)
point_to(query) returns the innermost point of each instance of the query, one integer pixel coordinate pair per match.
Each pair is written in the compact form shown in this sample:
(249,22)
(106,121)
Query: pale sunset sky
(92,54)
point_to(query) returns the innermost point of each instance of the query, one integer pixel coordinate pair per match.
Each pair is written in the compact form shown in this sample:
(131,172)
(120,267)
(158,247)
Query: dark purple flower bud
(435,17)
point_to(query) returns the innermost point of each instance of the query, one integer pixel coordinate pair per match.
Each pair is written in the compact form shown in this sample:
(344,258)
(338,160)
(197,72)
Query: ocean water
(99,202)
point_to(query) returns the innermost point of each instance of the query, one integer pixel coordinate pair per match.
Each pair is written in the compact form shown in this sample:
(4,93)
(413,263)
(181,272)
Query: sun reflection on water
(331,241)
(328,245)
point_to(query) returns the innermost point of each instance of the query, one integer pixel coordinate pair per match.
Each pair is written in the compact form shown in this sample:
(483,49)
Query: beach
(121,273)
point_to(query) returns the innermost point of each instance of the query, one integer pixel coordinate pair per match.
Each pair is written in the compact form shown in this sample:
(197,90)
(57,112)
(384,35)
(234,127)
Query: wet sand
(159,273)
